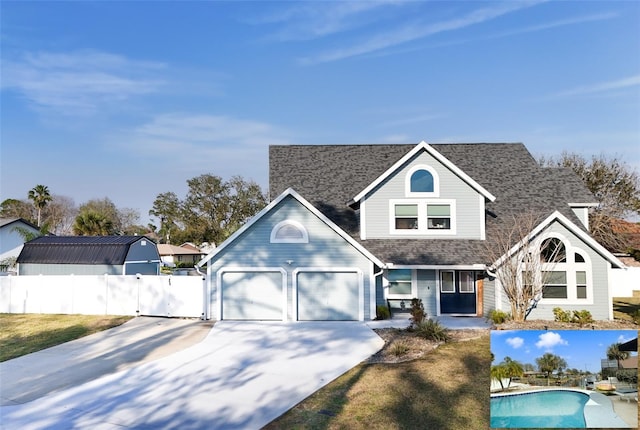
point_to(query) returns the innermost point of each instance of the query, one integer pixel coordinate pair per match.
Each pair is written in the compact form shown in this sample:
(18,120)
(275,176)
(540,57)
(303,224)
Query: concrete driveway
(241,376)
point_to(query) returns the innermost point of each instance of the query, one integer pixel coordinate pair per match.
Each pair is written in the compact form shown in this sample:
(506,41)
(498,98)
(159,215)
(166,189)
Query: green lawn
(447,389)
(22,334)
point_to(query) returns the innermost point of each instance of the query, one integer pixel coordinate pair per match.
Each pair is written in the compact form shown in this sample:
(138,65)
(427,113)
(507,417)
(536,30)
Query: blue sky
(130,99)
(581,349)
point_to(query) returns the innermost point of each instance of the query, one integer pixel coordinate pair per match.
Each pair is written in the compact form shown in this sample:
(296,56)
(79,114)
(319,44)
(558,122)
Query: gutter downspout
(375,283)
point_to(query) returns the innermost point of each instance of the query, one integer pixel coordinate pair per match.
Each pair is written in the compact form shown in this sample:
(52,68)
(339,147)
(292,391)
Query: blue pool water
(541,409)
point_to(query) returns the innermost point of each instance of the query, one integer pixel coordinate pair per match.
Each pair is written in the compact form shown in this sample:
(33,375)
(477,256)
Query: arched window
(422,180)
(566,272)
(553,251)
(289,231)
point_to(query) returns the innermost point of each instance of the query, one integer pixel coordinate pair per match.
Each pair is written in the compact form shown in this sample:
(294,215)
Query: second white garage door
(252,295)
(328,296)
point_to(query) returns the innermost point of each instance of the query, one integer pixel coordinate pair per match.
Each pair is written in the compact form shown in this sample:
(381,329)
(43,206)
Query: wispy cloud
(310,20)
(203,140)
(207,129)
(597,88)
(78,83)
(555,24)
(409,32)
(549,340)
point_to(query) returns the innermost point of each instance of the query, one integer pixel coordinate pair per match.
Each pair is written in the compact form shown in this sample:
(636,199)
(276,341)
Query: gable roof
(111,250)
(584,236)
(293,194)
(424,146)
(329,176)
(4,222)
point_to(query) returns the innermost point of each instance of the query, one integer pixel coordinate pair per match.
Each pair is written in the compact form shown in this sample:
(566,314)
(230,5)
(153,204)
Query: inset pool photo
(564,379)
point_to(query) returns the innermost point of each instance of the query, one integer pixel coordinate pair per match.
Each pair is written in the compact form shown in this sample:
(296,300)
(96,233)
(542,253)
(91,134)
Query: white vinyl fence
(624,281)
(168,296)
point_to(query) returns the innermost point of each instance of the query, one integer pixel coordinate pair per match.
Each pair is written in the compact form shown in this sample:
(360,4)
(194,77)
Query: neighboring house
(357,226)
(186,253)
(12,238)
(89,255)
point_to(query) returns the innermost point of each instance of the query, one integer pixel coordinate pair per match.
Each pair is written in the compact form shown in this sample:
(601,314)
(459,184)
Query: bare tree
(522,262)
(60,215)
(615,185)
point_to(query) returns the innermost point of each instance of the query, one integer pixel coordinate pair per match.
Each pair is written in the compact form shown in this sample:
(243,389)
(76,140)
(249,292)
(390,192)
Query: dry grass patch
(625,307)
(446,389)
(22,334)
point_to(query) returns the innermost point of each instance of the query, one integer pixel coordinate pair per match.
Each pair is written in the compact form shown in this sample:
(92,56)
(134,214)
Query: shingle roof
(329,176)
(78,249)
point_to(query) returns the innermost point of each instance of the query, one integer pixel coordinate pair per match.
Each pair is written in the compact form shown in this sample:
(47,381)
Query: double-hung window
(406,217)
(438,217)
(555,285)
(427,217)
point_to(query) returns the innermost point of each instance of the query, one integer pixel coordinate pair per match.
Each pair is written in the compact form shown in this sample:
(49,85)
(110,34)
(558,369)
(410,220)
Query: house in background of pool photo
(564,379)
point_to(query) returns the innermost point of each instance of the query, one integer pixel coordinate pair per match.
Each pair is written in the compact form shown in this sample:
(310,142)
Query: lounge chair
(624,390)
(627,394)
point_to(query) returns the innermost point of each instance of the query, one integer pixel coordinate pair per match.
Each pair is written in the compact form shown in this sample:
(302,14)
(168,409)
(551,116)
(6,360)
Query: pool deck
(599,411)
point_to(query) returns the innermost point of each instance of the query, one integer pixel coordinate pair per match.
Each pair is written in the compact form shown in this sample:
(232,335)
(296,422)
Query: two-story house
(351,227)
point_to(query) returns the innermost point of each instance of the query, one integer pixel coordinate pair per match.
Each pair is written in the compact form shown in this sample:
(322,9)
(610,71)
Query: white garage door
(252,296)
(328,296)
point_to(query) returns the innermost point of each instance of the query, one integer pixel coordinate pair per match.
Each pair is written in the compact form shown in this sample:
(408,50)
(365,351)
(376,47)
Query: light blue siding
(143,250)
(488,295)
(141,268)
(598,307)
(469,206)
(326,250)
(600,278)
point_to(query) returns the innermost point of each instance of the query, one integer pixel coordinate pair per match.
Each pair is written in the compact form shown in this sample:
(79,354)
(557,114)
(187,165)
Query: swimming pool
(545,409)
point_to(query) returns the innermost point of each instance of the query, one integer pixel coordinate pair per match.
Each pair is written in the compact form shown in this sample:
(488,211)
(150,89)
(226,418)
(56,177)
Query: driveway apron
(242,376)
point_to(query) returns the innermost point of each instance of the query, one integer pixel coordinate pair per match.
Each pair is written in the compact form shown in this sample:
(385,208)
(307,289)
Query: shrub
(636,316)
(630,376)
(498,317)
(417,312)
(561,315)
(399,348)
(382,312)
(433,330)
(582,317)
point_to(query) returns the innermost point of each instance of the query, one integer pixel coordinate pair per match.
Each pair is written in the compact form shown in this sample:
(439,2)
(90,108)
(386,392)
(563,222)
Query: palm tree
(550,362)
(40,196)
(614,353)
(508,369)
(91,223)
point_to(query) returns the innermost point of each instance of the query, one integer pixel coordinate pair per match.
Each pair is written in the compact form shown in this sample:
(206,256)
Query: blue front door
(457,292)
